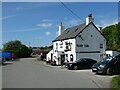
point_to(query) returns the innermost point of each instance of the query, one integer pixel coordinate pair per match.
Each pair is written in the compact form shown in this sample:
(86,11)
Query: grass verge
(115,83)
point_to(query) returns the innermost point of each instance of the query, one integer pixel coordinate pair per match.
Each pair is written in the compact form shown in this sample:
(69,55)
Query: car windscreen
(107,59)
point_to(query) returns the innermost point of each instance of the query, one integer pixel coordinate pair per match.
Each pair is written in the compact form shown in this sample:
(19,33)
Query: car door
(79,64)
(84,63)
(117,65)
(89,63)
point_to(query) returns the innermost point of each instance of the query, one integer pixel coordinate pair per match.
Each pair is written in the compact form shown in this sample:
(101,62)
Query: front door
(62,59)
(117,65)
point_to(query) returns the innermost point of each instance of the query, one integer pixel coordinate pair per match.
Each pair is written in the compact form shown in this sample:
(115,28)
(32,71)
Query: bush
(17,48)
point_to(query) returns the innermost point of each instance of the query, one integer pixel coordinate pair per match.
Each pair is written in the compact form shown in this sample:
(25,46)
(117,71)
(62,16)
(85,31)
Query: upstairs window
(56,46)
(68,46)
(101,45)
(61,44)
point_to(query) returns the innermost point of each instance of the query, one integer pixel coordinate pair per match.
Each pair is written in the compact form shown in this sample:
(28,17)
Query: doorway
(62,59)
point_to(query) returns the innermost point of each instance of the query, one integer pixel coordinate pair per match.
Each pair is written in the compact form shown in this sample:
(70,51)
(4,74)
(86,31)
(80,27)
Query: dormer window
(76,29)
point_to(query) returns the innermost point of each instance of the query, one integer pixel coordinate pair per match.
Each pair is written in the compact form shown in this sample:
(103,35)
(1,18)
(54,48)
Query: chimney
(89,19)
(61,28)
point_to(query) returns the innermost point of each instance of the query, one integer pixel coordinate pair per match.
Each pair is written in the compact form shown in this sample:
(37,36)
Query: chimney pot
(61,28)
(90,15)
(89,19)
(61,24)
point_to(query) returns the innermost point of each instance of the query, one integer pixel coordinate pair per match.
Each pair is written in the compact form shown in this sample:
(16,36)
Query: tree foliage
(112,35)
(16,47)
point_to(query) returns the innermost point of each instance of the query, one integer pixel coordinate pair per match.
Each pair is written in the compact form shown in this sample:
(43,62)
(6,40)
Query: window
(55,50)
(68,46)
(67,32)
(61,46)
(76,29)
(101,45)
(80,37)
(71,57)
(56,45)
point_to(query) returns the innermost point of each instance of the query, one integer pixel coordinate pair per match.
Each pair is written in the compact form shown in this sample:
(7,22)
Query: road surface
(29,73)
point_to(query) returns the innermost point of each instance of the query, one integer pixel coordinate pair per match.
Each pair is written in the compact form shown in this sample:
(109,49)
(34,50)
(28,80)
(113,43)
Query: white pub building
(81,41)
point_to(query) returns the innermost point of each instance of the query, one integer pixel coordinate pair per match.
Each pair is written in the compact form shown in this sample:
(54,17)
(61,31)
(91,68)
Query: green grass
(115,83)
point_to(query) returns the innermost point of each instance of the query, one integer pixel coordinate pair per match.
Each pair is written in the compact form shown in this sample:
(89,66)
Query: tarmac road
(28,73)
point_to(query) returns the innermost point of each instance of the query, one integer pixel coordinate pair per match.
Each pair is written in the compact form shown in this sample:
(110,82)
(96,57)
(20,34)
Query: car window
(107,59)
(81,60)
(90,60)
(118,59)
(78,60)
(84,60)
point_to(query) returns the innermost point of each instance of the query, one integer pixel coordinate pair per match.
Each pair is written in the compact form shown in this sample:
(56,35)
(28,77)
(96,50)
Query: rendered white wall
(49,55)
(60,50)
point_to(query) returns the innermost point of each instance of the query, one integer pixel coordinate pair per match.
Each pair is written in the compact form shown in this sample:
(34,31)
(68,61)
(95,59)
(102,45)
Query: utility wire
(70,10)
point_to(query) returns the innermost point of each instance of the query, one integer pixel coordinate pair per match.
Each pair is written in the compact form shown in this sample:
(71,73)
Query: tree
(112,35)
(16,47)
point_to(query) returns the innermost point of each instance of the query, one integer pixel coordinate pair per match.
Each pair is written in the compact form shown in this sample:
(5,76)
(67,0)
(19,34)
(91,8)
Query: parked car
(83,63)
(2,61)
(109,65)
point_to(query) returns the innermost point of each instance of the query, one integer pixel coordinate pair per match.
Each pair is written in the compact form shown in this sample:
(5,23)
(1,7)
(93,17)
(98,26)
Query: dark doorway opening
(62,59)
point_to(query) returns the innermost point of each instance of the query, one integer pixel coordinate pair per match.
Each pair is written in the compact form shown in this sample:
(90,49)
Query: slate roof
(70,32)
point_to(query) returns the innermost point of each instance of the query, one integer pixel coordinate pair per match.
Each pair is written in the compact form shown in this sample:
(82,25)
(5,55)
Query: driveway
(29,73)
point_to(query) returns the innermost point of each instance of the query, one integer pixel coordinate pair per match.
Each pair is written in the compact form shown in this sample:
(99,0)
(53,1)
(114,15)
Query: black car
(83,63)
(109,65)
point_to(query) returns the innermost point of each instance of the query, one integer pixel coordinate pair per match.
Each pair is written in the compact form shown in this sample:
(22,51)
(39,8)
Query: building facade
(81,41)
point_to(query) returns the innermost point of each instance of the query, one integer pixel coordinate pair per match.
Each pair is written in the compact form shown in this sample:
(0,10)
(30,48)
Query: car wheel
(75,67)
(109,71)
